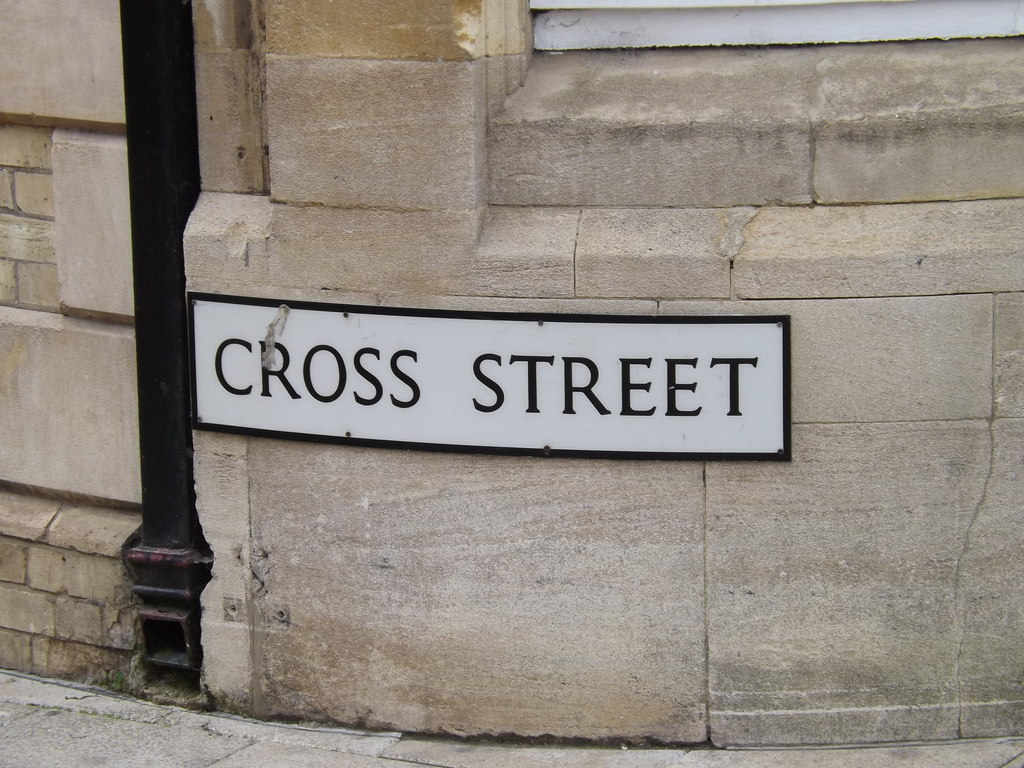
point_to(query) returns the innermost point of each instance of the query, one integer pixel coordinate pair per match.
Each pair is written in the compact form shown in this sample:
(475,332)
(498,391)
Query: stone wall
(69,487)
(864,592)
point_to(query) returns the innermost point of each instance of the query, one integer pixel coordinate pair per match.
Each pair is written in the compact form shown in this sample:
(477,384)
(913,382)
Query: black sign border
(783,320)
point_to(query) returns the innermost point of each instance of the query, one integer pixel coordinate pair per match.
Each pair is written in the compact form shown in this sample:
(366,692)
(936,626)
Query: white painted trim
(836,23)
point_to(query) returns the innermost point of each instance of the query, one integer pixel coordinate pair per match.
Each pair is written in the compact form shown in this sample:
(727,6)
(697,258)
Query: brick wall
(69,488)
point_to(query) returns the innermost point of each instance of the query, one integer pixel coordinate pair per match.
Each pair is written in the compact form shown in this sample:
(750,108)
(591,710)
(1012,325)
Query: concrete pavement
(47,723)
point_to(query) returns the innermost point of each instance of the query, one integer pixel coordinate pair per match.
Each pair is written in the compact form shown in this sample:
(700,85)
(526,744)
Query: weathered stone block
(654,252)
(76,661)
(6,190)
(524,252)
(226,239)
(88,576)
(397,134)
(1009,355)
(921,156)
(119,626)
(832,584)
(415,252)
(229,104)
(63,62)
(882,250)
(363,29)
(25,610)
(79,621)
(227,663)
(13,556)
(220,25)
(655,128)
(888,359)
(990,588)
(89,444)
(8,282)
(15,650)
(37,286)
(478,594)
(93,231)
(25,146)
(33,193)
(24,239)
(25,517)
(93,530)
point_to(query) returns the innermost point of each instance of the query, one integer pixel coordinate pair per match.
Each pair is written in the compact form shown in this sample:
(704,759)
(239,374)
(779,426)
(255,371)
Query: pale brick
(832,584)
(25,146)
(24,239)
(15,650)
(26,611)
(93,229)
(76,661)
(87,576)
(90,444)
(8,282)
(1009,355)
(524,252)
(226,238)
(93,530)
(13,557)
(37,286)
(397,134)
(645,253)
(991,669)
(887,359)
(64,61)
(78,620)
(229,104)
(402,29)
(527,587)
(882,250)
(416,252)
(6,190)
(25,517)
(33,193)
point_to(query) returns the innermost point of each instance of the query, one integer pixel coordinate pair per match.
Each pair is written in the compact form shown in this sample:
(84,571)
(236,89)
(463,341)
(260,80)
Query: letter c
(218,365)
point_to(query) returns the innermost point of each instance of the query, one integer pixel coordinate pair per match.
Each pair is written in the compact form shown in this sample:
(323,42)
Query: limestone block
(882,250)
(87,576)
(37,286)
(991,592)
(364,29)
(226,239)
(62,62)
(524,252)
(6,190)
(1009,355)
(397,134)
(921,157)
(222,501)
(223,24)
(93,231)
(508,26)
(77,661)
(655,128)
(93,530)
(79,620)
(24,239)
(33,193)
(415,252)
(13,557)
(651,252)
(25,517)
(119,626)
(480,594)
(229,103)
(886,359)
(8,282)
(832,584)
(227,663)
(25,610)
(15,650)
(81,438)
(25,146)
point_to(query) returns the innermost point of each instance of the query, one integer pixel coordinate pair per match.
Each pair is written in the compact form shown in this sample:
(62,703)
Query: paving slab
(978,754)
(454,755)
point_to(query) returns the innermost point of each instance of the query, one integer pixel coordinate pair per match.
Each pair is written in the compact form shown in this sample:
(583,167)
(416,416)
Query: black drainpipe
(170,564)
